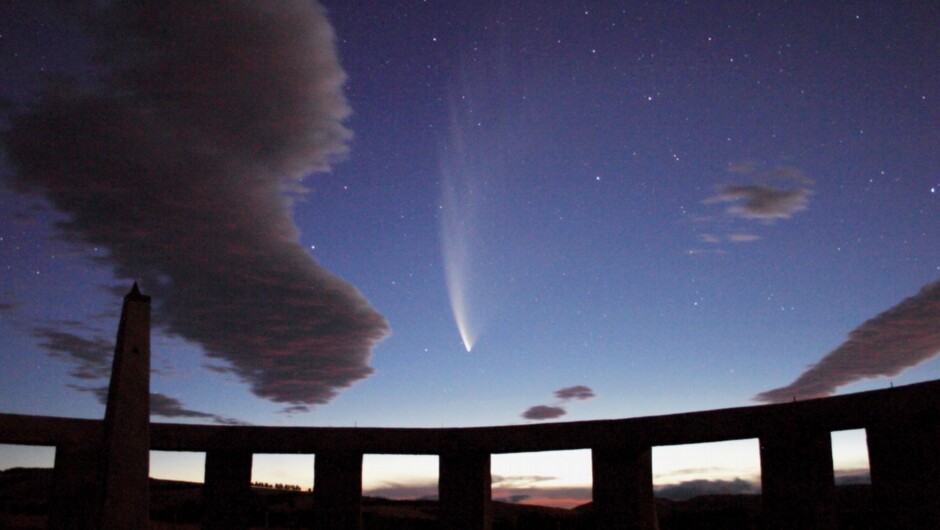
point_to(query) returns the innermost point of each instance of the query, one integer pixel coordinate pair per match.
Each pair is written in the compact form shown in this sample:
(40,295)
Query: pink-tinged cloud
(183,162)
(543,412)
(579,392)
(901,337)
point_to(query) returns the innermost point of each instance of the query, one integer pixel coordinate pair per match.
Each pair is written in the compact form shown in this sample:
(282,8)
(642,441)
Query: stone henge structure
(101,466)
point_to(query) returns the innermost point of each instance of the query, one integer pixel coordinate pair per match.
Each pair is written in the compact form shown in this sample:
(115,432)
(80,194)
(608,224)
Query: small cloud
(295,409)
(543,412)
(760,201)
(564,395)
(743,238)
(886,345)
(574,392)
(709,238)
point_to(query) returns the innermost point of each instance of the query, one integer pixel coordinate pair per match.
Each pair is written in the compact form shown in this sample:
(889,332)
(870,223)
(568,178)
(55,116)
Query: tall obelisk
(125,459)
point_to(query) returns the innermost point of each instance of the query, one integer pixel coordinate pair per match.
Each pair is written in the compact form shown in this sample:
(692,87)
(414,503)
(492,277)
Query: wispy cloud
(899,338)
(184,163)
(519,481)
(760,201)
(743,238)
(169,407)
(766,195)
(564,395)
(163,405)
(90,358)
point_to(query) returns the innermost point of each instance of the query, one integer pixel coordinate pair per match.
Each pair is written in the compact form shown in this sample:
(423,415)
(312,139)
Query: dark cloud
(90,358)
(901,337)
(162,405)
(574,392)
(184,163)
(8,308)
(760,201)
(295,409)
(694,488)
(543,412)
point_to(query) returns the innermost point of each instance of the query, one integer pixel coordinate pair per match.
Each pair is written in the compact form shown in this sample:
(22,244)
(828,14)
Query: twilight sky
(454,213)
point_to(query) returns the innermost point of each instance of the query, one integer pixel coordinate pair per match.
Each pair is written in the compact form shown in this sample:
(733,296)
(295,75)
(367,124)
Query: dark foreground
(178,506)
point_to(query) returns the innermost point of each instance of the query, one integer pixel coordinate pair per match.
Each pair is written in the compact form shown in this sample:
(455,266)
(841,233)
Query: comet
(455,247)
(461,197)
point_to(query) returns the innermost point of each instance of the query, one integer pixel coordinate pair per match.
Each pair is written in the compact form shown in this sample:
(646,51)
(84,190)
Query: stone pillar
(73,502)
(464,489)
(623,488)
(337,490)
(797,480)
(227,491)
(904,459)
(125,464)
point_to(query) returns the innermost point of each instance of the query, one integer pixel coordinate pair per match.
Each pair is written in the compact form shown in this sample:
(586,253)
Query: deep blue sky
(678,206)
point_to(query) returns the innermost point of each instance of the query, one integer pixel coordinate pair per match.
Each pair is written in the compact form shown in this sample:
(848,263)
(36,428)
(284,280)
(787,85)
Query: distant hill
(24,503)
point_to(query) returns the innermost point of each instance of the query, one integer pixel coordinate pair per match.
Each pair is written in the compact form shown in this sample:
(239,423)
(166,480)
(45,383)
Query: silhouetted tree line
(279,486)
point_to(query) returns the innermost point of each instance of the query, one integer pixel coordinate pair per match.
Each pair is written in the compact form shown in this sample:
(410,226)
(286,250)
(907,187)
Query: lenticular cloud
(899,338)
(181,163)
